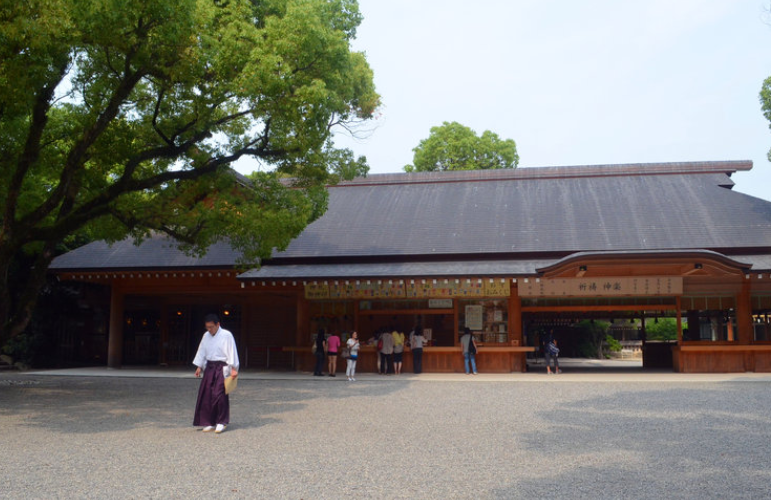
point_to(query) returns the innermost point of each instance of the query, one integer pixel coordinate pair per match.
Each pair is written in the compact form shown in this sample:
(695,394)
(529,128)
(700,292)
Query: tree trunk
(5,298)
(15,315)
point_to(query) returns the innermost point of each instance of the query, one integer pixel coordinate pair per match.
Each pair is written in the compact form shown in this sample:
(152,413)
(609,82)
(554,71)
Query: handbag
(379,344)
(314,349)
(472,349)
(230,384)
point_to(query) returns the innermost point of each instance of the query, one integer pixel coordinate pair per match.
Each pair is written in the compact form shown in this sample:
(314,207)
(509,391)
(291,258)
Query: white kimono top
(218,347)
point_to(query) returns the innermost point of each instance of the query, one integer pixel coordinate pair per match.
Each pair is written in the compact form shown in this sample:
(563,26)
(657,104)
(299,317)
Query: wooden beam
(403,312)
(608,308)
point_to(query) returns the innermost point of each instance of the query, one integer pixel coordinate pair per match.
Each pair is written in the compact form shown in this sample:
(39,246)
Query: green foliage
(592,334)
(122,118)
(765,102)
(28,348)
(453,146)
(587,349)
(663,329)
(613,344)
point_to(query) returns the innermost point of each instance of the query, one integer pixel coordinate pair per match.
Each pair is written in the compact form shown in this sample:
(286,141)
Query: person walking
(398,351)
(353,356)
(333,346)
(386,343)
(469,351)
(416,344)
(552,352)
(217,358)
(321,347)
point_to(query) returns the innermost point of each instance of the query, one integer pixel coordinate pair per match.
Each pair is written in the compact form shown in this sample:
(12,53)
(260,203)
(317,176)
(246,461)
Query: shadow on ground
(676,442)
(95,405)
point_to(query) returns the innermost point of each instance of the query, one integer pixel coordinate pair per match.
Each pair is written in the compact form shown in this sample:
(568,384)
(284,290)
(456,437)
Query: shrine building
(509,254)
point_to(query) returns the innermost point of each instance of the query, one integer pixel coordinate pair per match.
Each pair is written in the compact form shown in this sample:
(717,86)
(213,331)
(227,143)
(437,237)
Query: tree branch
(32,146)
(79,154)
(156,112)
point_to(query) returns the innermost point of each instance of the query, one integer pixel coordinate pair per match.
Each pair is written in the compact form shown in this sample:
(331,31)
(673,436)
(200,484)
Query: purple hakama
(213,406)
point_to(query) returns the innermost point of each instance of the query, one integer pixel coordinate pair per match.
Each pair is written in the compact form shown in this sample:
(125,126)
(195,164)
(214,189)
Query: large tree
(765,103)
(119,119)
(453,146)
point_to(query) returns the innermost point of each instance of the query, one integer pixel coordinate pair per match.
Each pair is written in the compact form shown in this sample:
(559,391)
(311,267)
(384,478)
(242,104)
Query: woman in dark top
(321,347)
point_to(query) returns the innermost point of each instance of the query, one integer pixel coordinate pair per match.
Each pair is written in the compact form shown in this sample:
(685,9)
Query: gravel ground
(88,437)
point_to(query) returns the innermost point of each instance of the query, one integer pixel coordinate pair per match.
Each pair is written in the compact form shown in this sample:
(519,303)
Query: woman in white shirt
(353,349)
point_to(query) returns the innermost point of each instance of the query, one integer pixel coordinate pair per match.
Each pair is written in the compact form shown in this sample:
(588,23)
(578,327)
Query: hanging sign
(316,291)
(440,303)
(601,287)
(474,317)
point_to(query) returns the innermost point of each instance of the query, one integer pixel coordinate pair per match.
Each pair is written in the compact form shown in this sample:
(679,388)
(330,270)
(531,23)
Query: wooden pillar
(515,315)
(678,304)
(744,314)
(303,335)
(456,326)
(115,341)
(356,309)
(243,338)
(163,351)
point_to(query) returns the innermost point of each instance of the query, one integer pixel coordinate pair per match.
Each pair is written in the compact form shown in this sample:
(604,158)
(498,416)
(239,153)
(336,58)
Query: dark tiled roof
(522,267)
(502,215)
(759,262)
(694,167)
(662,206)
(157,252)
(631,255)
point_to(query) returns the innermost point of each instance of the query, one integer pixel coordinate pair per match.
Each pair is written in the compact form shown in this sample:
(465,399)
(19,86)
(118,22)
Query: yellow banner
(316,291)
(497,287)
(417,289)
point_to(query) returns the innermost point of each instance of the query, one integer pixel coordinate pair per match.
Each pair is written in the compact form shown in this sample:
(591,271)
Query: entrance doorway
(186,327)
(603,340)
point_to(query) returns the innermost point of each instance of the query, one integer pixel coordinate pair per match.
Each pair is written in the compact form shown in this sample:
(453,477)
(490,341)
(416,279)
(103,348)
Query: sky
(573,83)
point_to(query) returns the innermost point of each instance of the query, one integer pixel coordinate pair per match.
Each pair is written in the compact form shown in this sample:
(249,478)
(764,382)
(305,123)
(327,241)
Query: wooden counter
(503,359)
(713,357)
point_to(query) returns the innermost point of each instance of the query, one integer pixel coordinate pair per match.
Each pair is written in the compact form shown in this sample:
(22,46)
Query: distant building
(505,252)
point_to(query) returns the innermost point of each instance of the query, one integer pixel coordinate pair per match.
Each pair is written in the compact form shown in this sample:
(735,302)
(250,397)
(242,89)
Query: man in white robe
(217,358)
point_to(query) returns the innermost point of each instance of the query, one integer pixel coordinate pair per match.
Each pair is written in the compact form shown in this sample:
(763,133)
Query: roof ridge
(727,167)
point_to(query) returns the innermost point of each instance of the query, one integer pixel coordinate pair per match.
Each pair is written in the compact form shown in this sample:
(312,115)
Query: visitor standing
(398,351)
(333,346)
(553,352)
(353,356)
(386,343)
(416,344)
(320,346)
(469,351)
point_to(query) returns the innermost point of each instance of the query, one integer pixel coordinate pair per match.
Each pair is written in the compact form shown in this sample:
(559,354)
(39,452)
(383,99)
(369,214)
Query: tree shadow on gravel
(101,404)
(680,442)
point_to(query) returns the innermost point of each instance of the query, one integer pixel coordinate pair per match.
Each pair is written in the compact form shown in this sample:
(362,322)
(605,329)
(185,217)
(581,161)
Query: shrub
(613,344)
(663,329)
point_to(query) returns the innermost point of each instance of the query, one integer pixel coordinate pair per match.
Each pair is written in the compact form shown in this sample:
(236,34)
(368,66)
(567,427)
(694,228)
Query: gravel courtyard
(309,438)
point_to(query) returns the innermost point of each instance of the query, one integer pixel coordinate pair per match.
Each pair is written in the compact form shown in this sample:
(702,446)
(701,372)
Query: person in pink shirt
(333,347)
